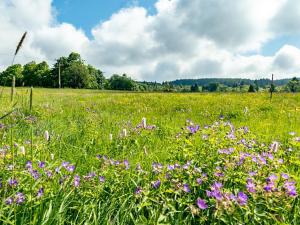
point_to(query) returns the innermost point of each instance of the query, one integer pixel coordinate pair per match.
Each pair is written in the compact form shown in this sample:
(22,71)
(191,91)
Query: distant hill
(230,82)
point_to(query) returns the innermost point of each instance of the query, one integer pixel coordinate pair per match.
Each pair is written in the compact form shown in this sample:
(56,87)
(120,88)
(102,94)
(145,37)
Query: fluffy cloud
(183,39)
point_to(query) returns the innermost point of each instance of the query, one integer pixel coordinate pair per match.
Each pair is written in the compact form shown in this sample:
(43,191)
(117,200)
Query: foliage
(60,165)
(7,75)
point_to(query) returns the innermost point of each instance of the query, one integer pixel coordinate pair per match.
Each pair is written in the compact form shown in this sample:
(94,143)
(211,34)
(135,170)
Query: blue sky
(161,39)
(92,12)
(86,14)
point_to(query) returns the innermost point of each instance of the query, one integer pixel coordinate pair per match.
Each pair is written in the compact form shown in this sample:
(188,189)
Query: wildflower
(76,180)
(52,156)
(171,167)
(126,164)
(272,177)
(57,169)
(35,174)
(138,191)
(285,176)
(28,165)
(193,129)
(40,192)
(199,181)
(269,187)
(242,198)
(65,164)
(274,146)
(20,198)
(71,168)
(13,182)
(102,179)
(110,137)
(144,123)
(250,186)
(290,188)
(186,188)
(42,164)
(46,135)
(99,156)
(49,173)
(156,184)
(9,201)
(201,203)
(138,167)
(90,176)
(124,132)
(22,150)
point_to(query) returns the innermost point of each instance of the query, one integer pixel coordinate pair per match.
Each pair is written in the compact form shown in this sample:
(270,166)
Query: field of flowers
(90,157)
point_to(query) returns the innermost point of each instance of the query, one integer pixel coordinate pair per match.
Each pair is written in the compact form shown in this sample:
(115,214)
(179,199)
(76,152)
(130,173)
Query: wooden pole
(59,78)
(272,87)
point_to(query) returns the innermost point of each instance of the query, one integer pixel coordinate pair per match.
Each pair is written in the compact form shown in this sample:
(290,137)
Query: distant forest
(72,72)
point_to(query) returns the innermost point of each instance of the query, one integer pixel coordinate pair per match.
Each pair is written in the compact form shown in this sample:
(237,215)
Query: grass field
(102,165)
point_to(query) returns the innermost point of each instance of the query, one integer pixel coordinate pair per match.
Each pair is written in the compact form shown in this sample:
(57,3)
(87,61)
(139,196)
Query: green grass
(79,123)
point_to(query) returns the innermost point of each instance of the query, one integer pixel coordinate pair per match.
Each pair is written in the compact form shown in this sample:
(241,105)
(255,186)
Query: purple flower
(250,186)
(193,129)
(138,167)
(126,164)
(9,201)
(102,179)
(171,167)
(138,191)
(28,165)
(269,187)
(65,164)
(49,173)
(285,176)
(156,184)
(76,180)
(40,192)
(71,168)
(186,188)
(216,186)
(199,181)
(57,169)
(272,177)
(99,157)
(20,198)
(290,188)
(35,174)
(201,203)
(242,198)
(42,164)
(90,176)
(13,182)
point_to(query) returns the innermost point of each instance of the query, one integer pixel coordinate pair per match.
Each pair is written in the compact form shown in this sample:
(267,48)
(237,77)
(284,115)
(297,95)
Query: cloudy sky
(158,40)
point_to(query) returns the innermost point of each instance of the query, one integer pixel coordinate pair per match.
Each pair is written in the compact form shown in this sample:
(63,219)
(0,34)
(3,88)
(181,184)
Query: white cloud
(195,38)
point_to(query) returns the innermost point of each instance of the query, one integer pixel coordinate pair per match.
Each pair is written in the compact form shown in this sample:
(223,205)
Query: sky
(158,40)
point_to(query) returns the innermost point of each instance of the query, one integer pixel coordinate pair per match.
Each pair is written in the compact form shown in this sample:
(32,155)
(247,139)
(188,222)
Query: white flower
(47,136)
(22,150)
(144,122)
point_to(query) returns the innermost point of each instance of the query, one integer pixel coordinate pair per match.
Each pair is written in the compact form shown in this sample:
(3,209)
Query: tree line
(73,72)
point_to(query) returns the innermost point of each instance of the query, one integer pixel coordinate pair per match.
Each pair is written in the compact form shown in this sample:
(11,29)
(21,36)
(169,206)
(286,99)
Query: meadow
(104,157)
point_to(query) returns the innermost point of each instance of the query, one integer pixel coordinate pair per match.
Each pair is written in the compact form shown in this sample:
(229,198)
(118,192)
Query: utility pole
(59,80)
(272,88)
